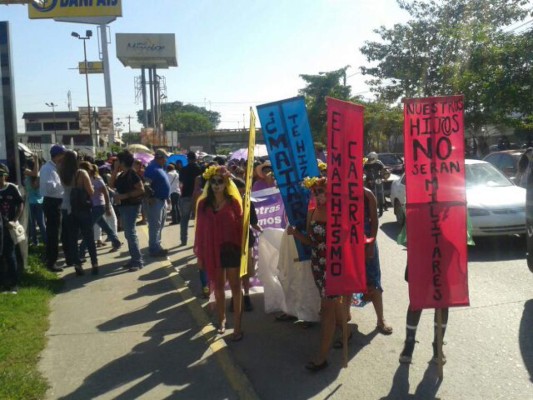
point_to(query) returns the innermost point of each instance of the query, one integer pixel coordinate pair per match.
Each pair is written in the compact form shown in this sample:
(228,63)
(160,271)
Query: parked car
(506,161)
(393,162)
(496,206)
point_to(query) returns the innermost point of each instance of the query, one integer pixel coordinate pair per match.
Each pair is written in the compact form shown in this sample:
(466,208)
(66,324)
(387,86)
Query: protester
(51,189)
(174,180)
(523,170)
(100,206)
(139,169)
(187,177)
(376,173)
(130,191)
(411,325)
(218,242)
(76,209)
(11,208)
(156,205)
(373,270)
(333,313)
(35,201)
(264,176)
(251,242)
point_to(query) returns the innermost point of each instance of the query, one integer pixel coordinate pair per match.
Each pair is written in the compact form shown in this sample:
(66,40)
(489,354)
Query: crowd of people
(72,199)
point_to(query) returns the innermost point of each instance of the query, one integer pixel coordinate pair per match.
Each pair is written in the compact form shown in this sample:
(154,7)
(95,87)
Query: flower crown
(322,166)
(216,170)
(311,181)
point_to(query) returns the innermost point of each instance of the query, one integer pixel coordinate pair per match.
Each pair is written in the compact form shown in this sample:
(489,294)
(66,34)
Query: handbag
(230,255)
(17,232)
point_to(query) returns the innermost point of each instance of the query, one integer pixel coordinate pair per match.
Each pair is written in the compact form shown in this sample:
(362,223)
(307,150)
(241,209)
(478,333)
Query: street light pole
(51,104)
(88,35)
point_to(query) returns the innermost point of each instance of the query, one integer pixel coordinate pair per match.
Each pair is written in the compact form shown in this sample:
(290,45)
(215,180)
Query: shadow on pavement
(426,389)
(497,248)
(391,229)
(169,357)
(525,337)
(273,351)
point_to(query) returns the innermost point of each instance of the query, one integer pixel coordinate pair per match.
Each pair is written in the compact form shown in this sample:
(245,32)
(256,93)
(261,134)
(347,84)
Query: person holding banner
(217,243)
(332,311)
(373,270)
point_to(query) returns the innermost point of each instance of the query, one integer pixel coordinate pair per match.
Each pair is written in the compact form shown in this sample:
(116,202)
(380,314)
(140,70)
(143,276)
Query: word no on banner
(436,202)
(345,260)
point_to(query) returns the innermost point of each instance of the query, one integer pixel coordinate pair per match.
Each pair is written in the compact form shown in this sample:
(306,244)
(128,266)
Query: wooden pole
(344,331)
(440,363)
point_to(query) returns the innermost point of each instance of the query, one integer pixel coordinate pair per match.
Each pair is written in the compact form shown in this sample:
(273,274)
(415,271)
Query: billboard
(152,50)
(105,121)
(74,8)
(93,67)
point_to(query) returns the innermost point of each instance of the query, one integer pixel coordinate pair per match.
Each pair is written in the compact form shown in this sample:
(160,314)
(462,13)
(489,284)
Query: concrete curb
(235,375)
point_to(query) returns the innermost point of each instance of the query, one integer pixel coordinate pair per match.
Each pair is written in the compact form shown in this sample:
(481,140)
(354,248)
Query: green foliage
(185,118)
(457,46)
(318,87)
(23,324)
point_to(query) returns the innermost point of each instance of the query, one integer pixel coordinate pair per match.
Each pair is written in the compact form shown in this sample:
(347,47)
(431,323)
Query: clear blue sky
(232,54)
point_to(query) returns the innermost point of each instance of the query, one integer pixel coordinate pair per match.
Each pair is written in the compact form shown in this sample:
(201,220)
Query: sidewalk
(123,335)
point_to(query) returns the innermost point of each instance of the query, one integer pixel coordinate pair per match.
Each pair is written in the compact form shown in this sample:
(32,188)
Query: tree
(180,117)
(318,87)
(456,46)
(383,125)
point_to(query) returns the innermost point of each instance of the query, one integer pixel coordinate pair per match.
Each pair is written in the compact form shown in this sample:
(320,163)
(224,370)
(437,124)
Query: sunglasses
(216,181)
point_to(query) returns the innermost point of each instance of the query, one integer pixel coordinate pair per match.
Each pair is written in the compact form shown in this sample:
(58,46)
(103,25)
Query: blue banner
(291,151)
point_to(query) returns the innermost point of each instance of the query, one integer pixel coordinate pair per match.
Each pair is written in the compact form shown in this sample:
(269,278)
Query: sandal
(286,317)
(313,367)
(237,337)
(384,329)
(221,328)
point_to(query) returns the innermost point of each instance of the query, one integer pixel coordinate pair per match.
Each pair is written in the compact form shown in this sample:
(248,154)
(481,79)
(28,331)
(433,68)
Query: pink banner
(345,261)
(435,202)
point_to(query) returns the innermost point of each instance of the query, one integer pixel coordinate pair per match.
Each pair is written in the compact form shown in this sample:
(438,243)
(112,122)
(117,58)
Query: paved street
(137,340)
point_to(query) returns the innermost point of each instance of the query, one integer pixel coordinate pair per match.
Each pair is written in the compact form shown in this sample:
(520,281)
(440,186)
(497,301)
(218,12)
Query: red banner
(435,202)
(345,261)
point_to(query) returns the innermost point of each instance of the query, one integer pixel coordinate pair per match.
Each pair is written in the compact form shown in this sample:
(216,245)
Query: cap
(4,170)
(56,150)
(372,155)
(160,153)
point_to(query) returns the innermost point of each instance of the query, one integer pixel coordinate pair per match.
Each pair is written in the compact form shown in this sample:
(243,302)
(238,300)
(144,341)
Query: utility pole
(53,106)
(129,117)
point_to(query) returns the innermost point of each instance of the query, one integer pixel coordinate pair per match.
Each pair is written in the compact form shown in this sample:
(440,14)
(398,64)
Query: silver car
(496,206)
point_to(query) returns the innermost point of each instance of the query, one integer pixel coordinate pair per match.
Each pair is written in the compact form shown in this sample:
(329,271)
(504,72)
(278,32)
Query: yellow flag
(246,200)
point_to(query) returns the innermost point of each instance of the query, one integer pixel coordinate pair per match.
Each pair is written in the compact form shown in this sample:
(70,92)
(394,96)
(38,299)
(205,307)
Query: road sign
(93,67)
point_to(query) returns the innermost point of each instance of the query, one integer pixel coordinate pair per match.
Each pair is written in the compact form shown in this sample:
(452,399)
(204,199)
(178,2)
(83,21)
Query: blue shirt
(158,180)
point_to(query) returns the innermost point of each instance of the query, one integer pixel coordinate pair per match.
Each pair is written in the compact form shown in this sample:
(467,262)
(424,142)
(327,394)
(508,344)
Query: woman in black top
(130,192)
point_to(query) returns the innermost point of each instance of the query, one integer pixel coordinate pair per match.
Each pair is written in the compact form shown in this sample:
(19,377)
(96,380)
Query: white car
(496,205)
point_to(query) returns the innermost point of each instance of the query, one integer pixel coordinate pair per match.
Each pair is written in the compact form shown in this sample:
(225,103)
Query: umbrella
(27,151)
(139,148)
(177,157)
(143,157)
(260,150)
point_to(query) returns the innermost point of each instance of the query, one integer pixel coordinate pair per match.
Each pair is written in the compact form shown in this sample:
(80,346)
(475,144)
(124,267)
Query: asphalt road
(489,345)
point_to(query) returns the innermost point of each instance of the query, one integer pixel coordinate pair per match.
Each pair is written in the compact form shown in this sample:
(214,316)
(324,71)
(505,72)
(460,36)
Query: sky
(232,54)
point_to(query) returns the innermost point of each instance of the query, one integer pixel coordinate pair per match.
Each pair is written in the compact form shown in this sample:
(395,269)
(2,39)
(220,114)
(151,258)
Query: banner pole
(344,331)
(440,363)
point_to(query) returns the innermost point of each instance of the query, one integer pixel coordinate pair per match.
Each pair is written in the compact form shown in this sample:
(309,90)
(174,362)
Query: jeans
(37,218)
(8,260)
(157,214)
(175,213)
(128,216)
(52,214)
(97,217)
(74,223)
(185,205)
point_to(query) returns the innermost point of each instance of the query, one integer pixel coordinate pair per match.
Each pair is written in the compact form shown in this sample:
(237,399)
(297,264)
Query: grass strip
(23,324)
